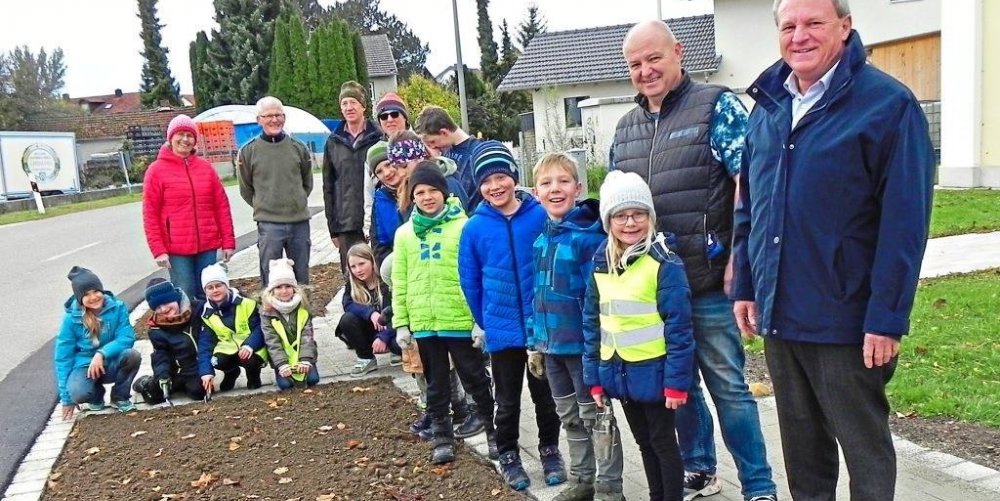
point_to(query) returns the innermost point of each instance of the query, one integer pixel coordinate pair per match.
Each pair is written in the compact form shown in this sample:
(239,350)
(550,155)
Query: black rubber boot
(444,441)
(229,379)
(253,378)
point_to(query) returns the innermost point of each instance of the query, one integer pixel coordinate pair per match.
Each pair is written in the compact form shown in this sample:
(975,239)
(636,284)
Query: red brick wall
(102,126)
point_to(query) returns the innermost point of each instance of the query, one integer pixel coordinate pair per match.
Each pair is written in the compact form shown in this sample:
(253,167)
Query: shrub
(595,177)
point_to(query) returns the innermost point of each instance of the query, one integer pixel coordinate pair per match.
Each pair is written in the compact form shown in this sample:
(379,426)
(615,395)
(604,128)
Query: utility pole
(460,70)
(659,10)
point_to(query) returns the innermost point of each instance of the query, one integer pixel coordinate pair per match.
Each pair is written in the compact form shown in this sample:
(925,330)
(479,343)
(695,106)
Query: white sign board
(48,158)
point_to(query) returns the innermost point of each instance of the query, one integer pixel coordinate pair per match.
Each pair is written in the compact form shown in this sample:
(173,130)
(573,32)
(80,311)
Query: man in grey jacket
(275,174)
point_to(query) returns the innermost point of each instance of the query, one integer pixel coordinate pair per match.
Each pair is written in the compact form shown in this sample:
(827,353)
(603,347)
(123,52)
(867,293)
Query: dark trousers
(471,371)
(359,334)
(347,240)
(652,426)
(825,395)
(190,385)
(292,239)
(508,380)
(230,363)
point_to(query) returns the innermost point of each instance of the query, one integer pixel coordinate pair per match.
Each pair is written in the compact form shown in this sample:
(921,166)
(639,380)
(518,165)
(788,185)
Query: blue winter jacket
(386,219)
(364,311)
(834,217)
(643,381)
(175,351)
(564,255)
(496,272)
(208,339)
(74,348)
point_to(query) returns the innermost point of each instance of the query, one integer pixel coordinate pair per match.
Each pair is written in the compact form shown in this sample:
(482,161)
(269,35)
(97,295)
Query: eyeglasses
(622,218)
(389,114)
(272,116)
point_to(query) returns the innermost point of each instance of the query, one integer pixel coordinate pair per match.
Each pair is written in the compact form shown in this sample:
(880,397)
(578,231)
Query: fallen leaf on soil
(278,418)
(234,417)
(307,391)
(138,433)
(195,412)
(158,453)
(351,444)
(126,481)
(148,420)
(233,446)
(73,433)
(439,471)
(495,491)
(203,481)
(284,480)
(325,427)
(156,489)
(153,473)
(55,476)
(399,462)
(93,450)
(188,436)
(341,426)
(358,389)
(281,470)
(324,497)
(229,481)
(760,389)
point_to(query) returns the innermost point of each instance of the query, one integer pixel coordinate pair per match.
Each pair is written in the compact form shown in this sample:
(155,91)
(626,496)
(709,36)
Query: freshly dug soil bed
(342,441)
(324,282)
(971,441)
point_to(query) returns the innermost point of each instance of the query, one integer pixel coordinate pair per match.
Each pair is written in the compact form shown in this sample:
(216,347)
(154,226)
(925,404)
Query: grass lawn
(950,361)
(965,211)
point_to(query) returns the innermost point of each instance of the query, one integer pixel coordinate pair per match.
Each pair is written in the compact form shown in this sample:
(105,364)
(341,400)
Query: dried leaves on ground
(330,442)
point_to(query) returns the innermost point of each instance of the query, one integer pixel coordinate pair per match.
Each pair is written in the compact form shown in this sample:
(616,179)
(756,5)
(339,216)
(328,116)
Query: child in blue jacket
(563,256)
(362,327)
(638,341)
(231,335)
(94,348)
(495,270)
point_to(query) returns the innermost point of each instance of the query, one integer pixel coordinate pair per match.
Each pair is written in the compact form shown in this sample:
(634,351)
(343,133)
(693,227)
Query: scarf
(286,307)
(423,223)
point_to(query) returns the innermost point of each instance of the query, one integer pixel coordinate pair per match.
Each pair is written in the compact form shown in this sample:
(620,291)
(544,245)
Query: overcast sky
(102,48)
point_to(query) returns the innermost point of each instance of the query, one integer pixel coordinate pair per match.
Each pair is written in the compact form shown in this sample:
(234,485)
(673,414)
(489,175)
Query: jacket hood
(528,202)
(74,308)
(586,216)
(448,166)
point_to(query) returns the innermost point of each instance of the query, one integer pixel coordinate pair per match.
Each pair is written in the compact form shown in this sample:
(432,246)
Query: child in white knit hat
(638,336)
(287,326)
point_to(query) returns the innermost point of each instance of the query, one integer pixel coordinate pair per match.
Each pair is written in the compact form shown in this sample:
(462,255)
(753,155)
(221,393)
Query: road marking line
(78,249)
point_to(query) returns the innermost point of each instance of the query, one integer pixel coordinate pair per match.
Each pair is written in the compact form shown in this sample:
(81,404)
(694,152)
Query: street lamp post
(460,70)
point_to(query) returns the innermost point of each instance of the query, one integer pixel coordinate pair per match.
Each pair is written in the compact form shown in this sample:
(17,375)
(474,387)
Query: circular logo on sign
(40,161)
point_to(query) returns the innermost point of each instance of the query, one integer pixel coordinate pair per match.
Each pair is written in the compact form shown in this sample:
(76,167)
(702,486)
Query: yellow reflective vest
(292,348)
(631,326)
(231,340)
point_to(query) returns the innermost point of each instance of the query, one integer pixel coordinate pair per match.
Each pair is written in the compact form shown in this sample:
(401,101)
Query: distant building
(382,69)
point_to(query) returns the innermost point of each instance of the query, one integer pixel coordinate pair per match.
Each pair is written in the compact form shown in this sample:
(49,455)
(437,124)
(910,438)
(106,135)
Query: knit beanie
(621,191)
(280,272)
(160,291)
(83,281)
(377,153)
(391,102)
(182,123)
(214,273)
(403,151)
(491,157)
(354,90)
(427,172)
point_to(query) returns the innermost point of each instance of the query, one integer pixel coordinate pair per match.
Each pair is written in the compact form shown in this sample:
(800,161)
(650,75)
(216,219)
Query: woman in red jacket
(185,211)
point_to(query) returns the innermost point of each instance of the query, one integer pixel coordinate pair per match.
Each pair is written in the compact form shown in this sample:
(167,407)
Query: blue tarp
(331,123)
(246,132)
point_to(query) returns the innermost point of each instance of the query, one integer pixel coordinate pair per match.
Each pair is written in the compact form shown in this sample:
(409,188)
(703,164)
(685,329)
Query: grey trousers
(292,239)
(825,396)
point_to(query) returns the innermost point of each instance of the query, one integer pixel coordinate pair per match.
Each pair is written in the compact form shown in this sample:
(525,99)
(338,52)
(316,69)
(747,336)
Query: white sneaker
(364,366)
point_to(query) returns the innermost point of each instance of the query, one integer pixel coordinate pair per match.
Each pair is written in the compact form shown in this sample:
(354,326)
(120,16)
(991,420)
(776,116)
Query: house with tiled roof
(116,102)
(580,85)
(382,69)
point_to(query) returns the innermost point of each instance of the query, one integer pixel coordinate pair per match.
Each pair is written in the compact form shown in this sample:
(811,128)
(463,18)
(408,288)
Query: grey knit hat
(621,191)
(83,281)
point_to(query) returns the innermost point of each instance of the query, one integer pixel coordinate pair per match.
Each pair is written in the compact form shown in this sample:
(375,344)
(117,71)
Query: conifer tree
(158,84)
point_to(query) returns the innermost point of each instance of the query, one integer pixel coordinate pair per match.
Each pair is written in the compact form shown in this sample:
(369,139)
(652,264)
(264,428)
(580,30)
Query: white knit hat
(214,273)
(624,190)
(280,272)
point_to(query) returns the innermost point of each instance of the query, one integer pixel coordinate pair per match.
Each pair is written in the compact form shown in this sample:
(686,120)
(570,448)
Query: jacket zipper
(194,204)
(652,147)
(517,276)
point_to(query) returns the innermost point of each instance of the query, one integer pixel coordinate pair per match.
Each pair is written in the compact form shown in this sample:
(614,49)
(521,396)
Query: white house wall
(549,111)
(381,85)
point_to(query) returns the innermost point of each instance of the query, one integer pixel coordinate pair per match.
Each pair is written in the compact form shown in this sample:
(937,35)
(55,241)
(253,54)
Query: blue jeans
(287,383)
(292,239)
(185,272)
(120,371)
(720,358)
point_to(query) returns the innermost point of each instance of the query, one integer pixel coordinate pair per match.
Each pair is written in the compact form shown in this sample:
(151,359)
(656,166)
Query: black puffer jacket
(344,177)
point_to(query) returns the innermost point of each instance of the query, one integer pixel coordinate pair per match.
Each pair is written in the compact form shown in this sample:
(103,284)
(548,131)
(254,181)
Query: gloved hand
(404,338)
(478,336)
(536,364)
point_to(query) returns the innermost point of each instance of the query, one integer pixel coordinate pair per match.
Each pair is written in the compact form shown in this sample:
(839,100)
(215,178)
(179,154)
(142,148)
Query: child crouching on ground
(172,331)
(361,326)
(231,336)
(563,256)
(638,341)
(287,326)
(428,304)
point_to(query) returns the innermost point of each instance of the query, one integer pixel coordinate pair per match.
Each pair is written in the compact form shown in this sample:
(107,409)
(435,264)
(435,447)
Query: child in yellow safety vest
(638,340)
(230,334)
(287,326)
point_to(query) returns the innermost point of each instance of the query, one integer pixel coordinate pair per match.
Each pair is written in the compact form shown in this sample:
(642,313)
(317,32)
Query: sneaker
(577,491)
(94,406)
(363,366)
(229,380)
(512,471)
(395,360)
(443,453)
(491,445)
(605,493)
(470,427)
(765,497)
(124,406)
(700,485)
(552,464)
(422,423)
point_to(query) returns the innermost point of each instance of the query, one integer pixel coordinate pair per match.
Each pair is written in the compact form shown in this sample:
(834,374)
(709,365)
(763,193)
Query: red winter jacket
(185,210)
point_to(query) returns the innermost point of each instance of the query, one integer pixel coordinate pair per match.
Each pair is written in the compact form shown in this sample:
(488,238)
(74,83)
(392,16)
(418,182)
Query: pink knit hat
(182,123)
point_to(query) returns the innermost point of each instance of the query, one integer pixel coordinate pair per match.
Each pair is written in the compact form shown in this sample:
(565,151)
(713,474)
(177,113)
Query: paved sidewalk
(923,474)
